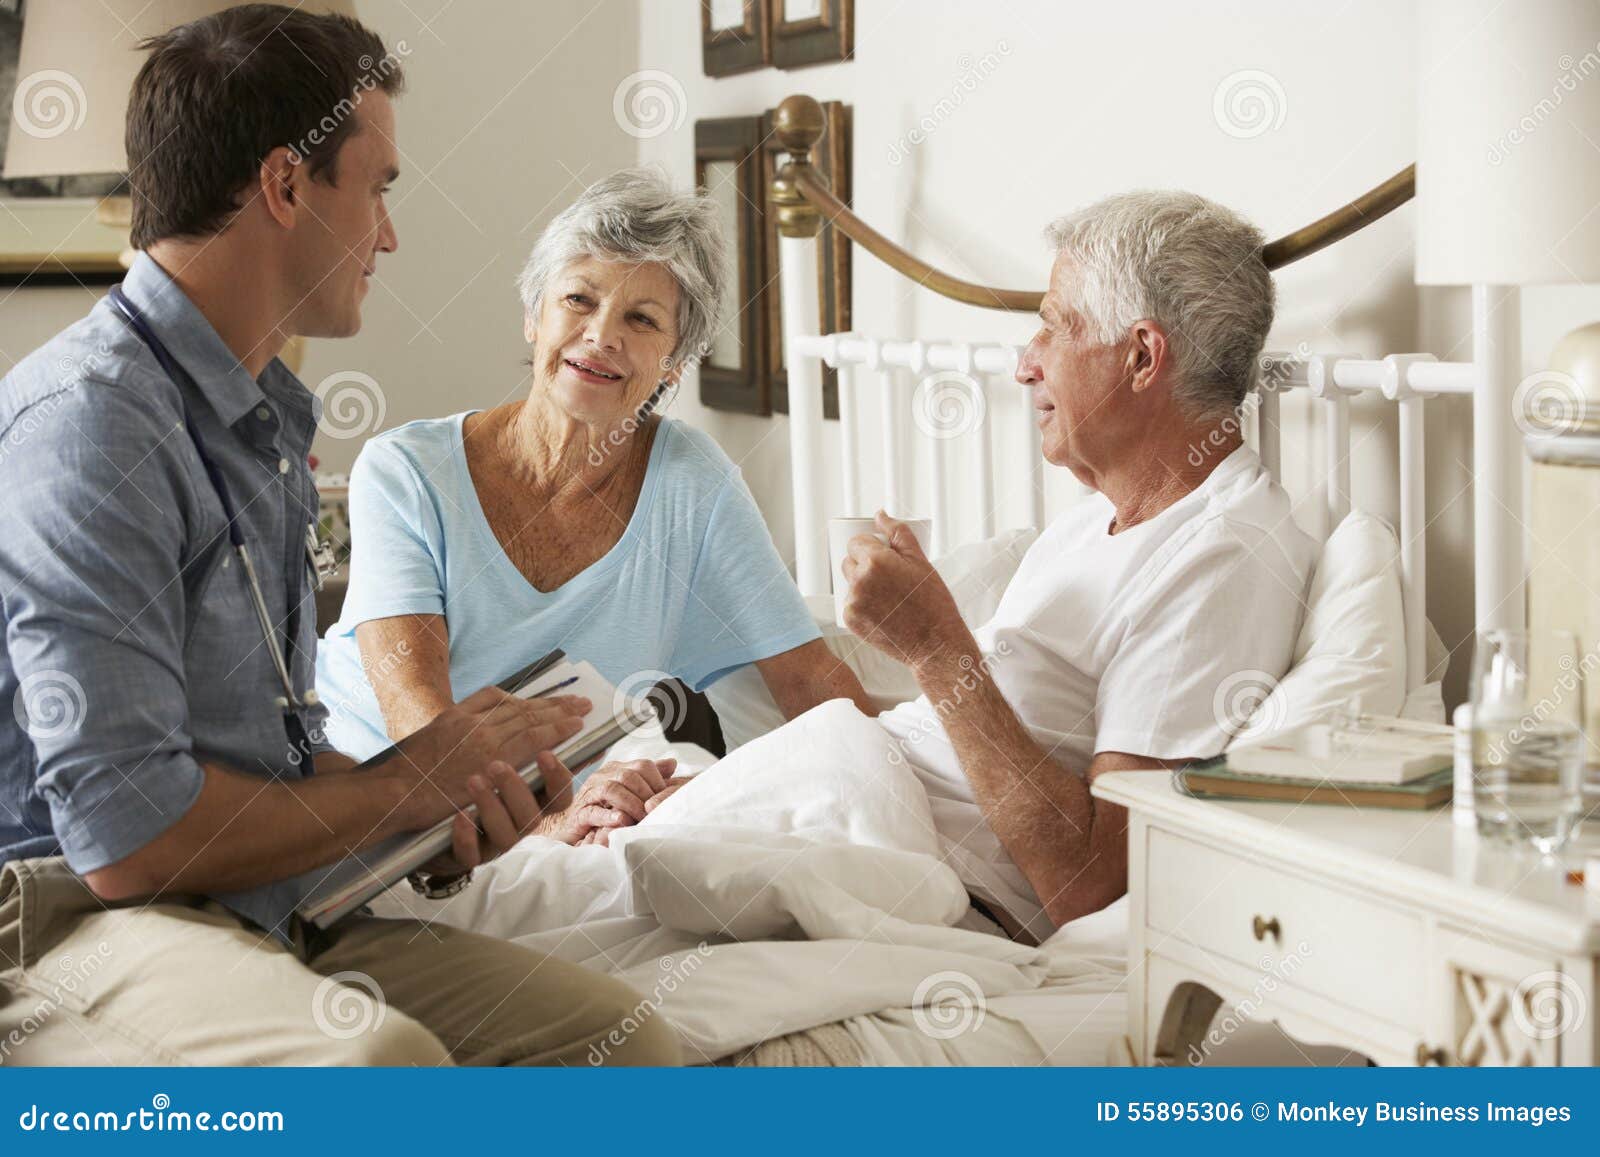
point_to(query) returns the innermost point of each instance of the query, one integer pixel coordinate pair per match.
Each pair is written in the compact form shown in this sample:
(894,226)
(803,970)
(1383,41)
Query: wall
(506,117)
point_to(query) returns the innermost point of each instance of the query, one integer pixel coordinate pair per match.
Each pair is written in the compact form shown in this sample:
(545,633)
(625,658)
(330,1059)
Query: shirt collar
(220,377)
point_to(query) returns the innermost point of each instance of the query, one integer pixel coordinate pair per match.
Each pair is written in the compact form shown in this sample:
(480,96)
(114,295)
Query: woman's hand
(617,795)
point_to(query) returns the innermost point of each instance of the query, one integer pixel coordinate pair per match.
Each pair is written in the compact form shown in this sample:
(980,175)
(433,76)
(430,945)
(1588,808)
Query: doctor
(166,797)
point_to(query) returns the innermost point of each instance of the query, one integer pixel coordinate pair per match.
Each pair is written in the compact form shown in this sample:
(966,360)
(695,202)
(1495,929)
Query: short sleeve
(93,532)
(396,540)
(742,605)
(1213,631)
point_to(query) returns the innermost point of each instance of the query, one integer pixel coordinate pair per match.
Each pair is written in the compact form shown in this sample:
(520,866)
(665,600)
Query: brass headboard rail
(804,202)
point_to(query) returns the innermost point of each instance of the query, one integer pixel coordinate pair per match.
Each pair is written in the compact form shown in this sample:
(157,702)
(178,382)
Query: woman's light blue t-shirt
(694,588)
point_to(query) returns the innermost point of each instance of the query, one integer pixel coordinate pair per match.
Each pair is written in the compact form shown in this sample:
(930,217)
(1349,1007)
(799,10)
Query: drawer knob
(1263,928)
(1427,1056)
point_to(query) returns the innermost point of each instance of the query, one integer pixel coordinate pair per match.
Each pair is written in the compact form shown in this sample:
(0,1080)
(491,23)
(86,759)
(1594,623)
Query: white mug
(842,530)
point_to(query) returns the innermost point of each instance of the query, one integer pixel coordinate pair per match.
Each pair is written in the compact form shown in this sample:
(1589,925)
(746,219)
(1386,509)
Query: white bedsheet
(794,884)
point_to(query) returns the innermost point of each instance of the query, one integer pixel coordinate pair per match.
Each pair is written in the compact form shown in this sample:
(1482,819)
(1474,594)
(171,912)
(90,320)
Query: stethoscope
(319,555)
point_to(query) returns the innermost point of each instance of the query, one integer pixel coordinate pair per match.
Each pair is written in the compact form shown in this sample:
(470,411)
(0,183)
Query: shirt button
(283,465)
(263,413)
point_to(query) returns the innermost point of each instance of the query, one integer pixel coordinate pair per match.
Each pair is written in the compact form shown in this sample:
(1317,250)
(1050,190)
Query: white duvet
(796,883)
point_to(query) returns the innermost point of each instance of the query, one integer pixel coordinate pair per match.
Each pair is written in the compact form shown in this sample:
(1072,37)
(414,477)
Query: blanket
(796,883)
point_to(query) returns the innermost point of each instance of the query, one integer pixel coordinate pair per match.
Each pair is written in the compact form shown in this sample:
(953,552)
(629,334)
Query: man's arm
(1071,847)
(241,831)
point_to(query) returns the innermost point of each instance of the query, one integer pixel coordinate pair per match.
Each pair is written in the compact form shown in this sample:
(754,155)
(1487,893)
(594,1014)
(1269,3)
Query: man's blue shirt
(131,649)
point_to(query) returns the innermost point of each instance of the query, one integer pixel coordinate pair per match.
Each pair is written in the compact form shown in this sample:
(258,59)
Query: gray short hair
(1187,263)
(637,216)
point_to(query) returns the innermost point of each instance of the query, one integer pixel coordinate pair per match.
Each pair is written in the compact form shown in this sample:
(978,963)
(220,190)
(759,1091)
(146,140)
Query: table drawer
(1298,933)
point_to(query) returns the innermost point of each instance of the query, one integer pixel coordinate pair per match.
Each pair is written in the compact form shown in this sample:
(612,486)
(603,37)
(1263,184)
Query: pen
(554,687)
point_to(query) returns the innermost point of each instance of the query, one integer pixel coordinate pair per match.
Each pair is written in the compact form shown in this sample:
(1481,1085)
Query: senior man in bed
(1116,640)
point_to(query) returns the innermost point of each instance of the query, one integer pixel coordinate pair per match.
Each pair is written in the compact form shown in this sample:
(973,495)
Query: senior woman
(577,517)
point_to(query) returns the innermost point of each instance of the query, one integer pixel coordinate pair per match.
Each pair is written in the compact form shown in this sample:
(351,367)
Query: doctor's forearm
(241,832)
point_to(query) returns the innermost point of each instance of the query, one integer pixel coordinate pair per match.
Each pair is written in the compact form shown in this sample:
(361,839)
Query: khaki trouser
(187,982)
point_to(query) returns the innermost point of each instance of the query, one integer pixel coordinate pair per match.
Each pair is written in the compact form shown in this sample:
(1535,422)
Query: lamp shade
(1508,142)
(77,62)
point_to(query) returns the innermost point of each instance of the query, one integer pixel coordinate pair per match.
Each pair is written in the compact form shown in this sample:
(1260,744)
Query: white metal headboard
(1403,379)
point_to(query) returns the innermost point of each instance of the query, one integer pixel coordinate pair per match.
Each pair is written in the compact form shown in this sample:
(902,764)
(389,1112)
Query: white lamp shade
(1508,142)
(76,65)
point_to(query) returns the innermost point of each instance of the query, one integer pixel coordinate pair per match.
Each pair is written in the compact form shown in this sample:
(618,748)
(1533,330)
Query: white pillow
(1352,641)
(977,575)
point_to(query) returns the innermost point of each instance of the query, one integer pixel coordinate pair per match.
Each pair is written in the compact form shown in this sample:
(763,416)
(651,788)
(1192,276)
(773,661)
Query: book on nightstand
(1366,750)
(1214,779)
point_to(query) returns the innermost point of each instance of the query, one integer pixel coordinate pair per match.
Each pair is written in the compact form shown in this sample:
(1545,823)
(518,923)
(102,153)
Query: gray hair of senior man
(1187,263)
(637,216)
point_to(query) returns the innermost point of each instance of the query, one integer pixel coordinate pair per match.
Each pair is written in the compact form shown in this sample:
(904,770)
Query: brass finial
(799,124)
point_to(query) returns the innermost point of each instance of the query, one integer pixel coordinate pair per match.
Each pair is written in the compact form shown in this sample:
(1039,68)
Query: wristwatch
(438,885)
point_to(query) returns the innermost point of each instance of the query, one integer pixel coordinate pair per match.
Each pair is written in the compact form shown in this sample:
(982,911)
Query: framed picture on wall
(734,36)
(812,31)
(54,230)
(727,166)
(831,156)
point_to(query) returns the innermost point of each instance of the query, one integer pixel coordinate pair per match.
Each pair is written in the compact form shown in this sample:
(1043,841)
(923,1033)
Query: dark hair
(218,94)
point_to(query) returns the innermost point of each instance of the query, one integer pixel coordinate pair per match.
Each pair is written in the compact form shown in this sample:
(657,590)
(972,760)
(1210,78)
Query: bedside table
(1393,933)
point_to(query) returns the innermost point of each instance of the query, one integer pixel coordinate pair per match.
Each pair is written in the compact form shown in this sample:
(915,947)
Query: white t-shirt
(1143,642)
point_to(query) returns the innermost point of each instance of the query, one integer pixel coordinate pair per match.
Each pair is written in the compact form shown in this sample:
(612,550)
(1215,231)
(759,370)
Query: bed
(818,926)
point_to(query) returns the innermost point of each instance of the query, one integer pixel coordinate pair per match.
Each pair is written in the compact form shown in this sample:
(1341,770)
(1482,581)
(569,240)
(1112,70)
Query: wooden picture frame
(807,32)
(55,241)
(831,157)
(735,36)
(53,230)
(727,166)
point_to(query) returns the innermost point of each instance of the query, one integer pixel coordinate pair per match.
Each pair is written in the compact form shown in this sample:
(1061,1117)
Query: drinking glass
(1527,736)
